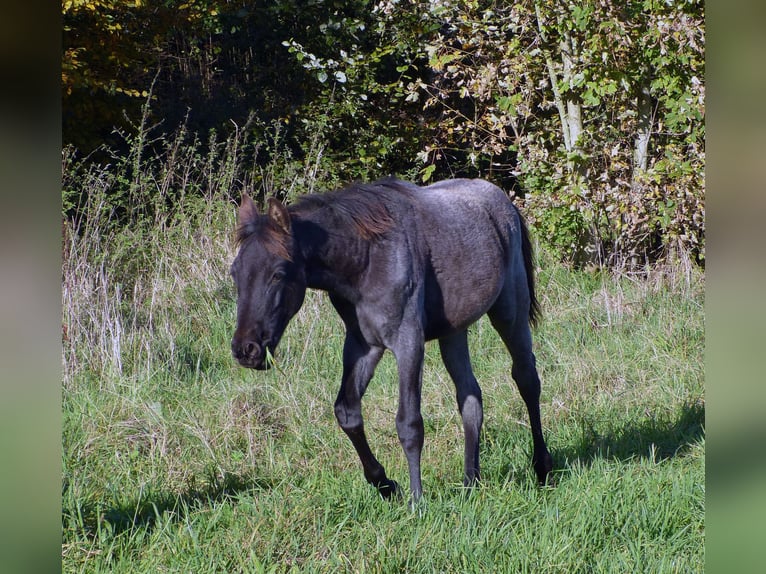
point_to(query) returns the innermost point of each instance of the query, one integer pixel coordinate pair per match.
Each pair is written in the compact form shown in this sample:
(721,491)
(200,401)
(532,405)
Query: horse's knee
(525,374)
(340,412)
(348,418)
(411,432)
(471,410)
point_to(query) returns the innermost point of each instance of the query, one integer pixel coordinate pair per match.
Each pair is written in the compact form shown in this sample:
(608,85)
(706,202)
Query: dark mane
(365,208)
(273,239)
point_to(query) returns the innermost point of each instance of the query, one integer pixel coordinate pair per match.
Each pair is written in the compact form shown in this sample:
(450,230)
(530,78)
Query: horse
(402,264)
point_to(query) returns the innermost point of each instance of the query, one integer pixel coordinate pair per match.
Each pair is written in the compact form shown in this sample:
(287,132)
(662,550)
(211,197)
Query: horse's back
(472,213)
(468,198)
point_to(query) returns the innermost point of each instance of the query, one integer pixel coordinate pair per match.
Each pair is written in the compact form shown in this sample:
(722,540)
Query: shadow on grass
(659,438)
(144,511)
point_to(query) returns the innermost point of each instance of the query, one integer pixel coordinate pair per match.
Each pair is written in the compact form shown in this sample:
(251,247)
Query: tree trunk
(641,145)
(553,76)
(573,112)
(570,113)
(643,133)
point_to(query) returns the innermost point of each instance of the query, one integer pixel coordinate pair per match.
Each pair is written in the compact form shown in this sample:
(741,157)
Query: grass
(176,460)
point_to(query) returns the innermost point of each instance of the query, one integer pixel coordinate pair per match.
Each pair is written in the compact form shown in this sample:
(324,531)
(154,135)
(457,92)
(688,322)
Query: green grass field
(177,460)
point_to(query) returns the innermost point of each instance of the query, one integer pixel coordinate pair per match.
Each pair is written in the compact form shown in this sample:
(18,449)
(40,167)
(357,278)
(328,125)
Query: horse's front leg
(409,421)
(359,362)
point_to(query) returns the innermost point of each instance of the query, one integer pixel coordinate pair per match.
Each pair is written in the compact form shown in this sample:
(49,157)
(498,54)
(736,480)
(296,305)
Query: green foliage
(592,113)
(507,80)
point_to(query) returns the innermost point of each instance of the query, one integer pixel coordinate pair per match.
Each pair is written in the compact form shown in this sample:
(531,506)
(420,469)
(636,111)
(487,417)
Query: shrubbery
(593,114)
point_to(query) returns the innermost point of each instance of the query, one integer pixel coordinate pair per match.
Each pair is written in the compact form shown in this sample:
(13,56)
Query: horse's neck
(334,262)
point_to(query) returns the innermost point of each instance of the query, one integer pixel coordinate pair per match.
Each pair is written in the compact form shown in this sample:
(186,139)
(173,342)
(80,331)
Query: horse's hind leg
(514,330)
(359,362)
(454,351)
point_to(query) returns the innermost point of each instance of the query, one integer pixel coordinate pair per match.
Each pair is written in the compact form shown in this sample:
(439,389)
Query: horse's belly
(450,308)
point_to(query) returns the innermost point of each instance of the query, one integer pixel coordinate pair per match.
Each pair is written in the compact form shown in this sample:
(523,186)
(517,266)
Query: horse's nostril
(244,349)
(251,349)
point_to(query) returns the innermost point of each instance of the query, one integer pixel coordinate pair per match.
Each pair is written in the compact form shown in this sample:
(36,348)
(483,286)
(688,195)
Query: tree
(592,113)
(597,108)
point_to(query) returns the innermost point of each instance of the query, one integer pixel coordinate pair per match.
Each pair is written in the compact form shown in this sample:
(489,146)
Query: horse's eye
(278,276)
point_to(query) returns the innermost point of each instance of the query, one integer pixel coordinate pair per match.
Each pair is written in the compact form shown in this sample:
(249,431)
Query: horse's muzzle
(251,354)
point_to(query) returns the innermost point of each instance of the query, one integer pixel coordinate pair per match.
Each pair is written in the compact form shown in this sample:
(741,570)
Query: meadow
(177,460)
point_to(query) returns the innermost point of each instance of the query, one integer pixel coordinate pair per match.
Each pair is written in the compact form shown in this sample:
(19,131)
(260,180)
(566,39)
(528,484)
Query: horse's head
(270,280)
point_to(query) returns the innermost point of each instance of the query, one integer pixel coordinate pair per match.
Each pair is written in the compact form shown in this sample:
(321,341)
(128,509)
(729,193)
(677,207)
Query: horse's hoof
(390,490)
(543,468)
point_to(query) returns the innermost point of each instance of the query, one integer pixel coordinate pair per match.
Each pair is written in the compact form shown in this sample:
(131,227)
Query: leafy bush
(596,109)
(592,113)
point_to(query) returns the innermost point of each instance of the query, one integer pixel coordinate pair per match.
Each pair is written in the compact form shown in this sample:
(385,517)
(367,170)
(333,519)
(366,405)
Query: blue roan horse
(402,265)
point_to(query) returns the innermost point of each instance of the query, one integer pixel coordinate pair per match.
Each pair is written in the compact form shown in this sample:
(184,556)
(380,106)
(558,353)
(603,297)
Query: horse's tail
(529,267)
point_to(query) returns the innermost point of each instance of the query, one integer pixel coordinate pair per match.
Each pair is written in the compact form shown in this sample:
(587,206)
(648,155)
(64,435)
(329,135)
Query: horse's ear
(279,214)
(247,210)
